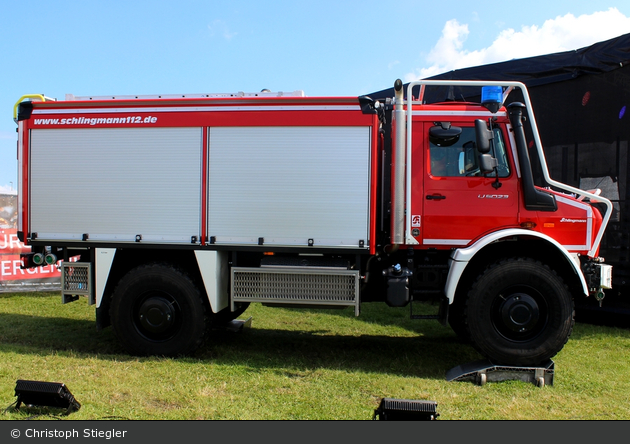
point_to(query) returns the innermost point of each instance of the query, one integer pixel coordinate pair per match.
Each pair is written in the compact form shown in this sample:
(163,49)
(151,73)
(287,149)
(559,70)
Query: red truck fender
(461,257)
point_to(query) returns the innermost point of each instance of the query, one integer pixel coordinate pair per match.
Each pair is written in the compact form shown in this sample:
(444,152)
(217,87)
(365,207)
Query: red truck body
(182,210)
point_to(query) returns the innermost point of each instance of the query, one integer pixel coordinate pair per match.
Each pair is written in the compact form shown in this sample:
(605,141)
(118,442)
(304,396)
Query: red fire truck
(180,211)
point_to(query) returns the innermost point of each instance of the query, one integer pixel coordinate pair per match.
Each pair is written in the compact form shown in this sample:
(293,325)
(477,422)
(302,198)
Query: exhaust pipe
(399,155)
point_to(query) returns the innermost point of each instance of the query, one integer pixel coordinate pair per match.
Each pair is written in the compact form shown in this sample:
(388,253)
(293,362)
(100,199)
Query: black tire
(519,312)
(457,323)
(157,309)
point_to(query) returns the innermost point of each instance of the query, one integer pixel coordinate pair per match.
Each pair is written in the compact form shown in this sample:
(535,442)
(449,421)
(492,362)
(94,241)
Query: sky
(323,47)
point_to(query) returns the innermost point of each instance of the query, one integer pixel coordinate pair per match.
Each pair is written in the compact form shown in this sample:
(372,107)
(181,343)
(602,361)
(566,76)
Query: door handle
(435,197)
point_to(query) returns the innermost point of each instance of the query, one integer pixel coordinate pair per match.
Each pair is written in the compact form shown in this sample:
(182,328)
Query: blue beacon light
(492,98)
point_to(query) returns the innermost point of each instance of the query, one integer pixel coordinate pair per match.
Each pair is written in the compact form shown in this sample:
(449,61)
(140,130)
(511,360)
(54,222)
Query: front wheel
(519,312)
(157,309)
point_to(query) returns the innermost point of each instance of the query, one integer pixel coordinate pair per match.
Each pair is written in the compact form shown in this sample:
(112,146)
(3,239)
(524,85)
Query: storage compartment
(116,184)
(294,186)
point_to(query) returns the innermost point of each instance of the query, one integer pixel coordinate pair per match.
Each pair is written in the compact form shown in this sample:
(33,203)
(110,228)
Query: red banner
(12,277)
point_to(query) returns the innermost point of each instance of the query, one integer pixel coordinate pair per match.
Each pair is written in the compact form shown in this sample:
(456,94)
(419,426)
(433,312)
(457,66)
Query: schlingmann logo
(573,221)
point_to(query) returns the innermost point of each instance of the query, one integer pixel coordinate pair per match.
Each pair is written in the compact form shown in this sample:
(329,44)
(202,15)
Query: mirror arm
(496,184)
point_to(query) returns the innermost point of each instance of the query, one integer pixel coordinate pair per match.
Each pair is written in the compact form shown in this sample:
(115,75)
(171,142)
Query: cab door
(459,202)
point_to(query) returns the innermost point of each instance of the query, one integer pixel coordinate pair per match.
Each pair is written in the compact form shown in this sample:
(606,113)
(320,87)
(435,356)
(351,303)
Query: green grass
(296,364)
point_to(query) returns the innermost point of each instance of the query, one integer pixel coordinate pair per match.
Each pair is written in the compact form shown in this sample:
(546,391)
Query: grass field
(296,364)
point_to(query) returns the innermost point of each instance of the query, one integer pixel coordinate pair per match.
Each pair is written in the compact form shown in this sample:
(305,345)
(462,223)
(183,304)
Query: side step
(296,285)
(484,371)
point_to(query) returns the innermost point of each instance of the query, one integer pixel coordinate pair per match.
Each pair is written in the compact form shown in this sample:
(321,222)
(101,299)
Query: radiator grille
(302,285)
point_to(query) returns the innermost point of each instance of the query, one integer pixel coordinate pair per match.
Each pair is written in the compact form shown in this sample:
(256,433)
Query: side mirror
(484,136)
(487,163)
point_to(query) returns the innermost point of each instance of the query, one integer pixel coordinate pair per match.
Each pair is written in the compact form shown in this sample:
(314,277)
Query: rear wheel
(519,312)
(157,309)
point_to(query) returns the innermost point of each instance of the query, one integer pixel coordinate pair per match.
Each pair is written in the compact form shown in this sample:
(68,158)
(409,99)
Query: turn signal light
(528,225)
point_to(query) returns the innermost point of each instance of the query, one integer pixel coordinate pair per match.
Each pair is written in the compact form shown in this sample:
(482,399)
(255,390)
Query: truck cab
(455,201)
(517,253)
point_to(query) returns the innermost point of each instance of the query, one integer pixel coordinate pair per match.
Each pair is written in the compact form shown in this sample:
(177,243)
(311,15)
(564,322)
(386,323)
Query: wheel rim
(157,316)
(520,313)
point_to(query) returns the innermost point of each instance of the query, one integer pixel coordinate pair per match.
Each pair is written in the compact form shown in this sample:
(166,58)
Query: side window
(458,157)
(500,153)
